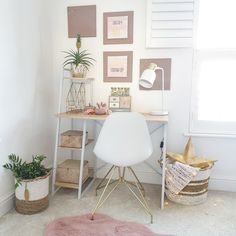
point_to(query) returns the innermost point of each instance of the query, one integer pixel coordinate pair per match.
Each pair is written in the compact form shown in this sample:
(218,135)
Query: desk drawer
(120,103)
(114,105)
(114,99)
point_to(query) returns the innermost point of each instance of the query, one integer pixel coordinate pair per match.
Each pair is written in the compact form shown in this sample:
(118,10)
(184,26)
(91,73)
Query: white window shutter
(169,23)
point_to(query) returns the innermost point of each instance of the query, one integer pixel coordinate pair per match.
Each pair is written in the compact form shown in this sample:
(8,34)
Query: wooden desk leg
(163,167)
(82,160)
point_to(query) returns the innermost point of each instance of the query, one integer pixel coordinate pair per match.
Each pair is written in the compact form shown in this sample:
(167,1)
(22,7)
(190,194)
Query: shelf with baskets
(87,179)
(74,172)
(75,148)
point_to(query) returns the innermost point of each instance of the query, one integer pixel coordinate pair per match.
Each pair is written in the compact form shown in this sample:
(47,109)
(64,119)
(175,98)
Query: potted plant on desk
(79,62)
(31,184)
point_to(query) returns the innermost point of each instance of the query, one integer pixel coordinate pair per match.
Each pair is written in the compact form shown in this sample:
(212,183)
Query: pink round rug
(102,225)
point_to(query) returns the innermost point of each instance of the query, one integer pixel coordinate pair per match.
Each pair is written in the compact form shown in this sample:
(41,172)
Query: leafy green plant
(23,170)
(78,58)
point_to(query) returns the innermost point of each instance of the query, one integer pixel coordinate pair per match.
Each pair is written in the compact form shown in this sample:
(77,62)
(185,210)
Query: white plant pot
(32,195)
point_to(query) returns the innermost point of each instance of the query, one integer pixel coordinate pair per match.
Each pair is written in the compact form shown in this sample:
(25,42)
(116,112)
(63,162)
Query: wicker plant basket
(79,72)
(32,195)
(195,192)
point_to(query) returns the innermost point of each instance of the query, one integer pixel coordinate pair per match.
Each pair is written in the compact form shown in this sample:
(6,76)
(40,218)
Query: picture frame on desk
(117,66)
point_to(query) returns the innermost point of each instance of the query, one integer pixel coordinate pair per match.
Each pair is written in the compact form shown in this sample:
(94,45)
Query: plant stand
(76,97)
(76,100)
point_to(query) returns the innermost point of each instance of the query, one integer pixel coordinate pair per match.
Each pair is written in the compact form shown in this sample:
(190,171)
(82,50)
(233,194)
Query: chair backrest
(124,139)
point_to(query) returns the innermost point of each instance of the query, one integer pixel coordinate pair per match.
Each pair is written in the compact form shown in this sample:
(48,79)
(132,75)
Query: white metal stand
(163,167)
(58,130)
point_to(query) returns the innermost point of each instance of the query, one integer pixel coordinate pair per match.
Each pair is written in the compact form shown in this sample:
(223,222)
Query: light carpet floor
(216,217)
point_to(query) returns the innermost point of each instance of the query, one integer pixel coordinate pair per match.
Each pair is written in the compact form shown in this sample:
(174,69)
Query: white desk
(80,116)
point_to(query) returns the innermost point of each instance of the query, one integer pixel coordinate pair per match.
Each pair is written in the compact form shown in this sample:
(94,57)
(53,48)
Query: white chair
(124,141)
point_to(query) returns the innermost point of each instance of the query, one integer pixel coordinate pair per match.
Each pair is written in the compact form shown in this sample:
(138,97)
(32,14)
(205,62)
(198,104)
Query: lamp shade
(148,76)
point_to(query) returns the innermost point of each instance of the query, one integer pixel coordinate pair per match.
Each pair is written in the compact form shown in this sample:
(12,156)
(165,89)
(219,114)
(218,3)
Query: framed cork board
(117,66)
(118,27)
(82,20)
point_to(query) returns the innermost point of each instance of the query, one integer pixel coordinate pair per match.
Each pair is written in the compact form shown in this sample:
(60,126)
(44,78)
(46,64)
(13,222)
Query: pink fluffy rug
(102,225)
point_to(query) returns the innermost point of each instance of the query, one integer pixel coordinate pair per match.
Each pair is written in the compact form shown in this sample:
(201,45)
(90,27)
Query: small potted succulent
(79,61)
(31,183)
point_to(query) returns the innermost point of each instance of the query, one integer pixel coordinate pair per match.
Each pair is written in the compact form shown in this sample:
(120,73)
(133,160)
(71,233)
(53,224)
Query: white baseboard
(152,178)
(6,203)
(149,177)
(222,184)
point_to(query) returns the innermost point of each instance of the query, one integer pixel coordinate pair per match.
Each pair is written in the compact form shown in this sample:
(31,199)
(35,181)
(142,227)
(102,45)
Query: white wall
(177,100)
(26,120)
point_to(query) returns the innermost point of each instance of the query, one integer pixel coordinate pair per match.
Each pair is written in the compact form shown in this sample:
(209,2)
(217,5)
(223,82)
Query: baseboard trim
(151,177)
(6,203)
(228,185)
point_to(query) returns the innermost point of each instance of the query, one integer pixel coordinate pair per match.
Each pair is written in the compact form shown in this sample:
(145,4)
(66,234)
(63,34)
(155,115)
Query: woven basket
(32,195)
(79,72)
(195,192)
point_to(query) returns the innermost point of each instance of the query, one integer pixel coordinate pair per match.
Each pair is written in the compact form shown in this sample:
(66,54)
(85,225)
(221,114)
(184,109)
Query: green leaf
(23,170)
(76,57)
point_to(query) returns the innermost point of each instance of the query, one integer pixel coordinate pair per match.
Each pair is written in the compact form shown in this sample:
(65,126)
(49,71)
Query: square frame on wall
(117,66)
(78,22)
(118,27)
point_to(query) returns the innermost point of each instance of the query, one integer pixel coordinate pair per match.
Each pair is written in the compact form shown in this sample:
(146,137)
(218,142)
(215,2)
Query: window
(169,23)
(214,85)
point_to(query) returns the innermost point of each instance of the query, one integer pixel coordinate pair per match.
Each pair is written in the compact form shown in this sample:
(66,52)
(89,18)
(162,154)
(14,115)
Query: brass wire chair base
(100,186)
(120,180)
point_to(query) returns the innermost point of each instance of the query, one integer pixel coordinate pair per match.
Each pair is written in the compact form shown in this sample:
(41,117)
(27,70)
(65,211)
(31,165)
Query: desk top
(82,116)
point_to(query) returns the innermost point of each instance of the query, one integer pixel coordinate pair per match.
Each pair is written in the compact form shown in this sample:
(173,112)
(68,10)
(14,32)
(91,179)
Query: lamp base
(159,113)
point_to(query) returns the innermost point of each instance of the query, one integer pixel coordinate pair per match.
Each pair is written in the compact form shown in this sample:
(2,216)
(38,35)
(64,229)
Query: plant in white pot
(79,62)
(31,184)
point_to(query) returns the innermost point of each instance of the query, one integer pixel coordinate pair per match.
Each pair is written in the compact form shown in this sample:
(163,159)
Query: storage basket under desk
(68,172)
(73,139)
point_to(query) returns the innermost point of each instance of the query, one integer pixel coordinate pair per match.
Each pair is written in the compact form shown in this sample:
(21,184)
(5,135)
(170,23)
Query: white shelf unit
(81,186)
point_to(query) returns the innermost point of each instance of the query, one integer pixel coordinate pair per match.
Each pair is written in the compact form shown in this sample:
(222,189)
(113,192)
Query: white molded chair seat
(124,139)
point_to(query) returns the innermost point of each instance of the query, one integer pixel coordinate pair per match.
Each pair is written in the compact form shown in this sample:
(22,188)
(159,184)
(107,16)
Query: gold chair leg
(103,186)
(120,180)
(139,183)
(123,174)
(142,201)
(101,200)
(104,178)
(119,172)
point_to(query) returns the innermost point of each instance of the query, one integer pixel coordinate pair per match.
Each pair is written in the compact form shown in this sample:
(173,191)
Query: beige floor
(214,218)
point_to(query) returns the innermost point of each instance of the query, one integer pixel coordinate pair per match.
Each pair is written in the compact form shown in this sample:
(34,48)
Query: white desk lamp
(147,80)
